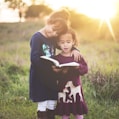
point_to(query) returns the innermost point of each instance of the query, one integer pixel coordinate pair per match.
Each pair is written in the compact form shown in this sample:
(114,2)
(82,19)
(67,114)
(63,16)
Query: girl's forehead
(66,35)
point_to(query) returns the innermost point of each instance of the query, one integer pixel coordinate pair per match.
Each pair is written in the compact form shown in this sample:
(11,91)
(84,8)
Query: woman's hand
(76,55)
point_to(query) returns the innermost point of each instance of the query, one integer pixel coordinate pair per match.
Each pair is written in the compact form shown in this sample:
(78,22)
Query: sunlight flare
(110,29)
(102,9)
(99,9)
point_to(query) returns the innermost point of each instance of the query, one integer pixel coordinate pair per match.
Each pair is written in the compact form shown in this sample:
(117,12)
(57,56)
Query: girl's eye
(54,29)
(68,41)
(62,42)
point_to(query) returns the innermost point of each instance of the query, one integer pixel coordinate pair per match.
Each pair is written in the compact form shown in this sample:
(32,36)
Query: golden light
(102,9)
(99,9)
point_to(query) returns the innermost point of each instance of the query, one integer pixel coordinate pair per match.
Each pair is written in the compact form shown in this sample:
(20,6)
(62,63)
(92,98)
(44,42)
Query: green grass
(100,85)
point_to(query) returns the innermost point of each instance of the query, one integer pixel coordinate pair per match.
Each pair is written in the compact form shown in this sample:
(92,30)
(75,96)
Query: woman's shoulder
(37,36)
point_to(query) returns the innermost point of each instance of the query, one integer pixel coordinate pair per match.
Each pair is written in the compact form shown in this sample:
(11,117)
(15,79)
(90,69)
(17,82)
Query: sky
(8,15)
(102,9)
(92,8)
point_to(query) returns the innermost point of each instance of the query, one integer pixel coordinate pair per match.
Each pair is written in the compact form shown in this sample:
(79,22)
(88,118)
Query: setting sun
(99,9)
(102,9)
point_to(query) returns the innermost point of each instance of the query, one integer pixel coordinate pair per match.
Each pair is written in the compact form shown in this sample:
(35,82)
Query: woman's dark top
(42,84)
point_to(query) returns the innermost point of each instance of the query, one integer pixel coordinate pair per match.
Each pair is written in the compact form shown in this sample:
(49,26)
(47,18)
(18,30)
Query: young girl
(42,90)
(70,96)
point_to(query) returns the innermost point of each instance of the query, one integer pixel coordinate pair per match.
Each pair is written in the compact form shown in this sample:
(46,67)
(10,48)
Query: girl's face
(52,30)
(66,43)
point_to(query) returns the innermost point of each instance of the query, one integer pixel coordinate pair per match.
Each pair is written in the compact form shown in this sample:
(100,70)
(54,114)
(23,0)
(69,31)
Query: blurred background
(101,16)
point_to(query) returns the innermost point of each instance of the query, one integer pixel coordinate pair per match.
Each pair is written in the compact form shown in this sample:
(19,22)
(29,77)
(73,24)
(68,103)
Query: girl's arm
(83,68)
(35,53)
(76,54)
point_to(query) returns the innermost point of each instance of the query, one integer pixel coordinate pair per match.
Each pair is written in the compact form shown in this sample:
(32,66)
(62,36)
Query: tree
(18,4)
(15,3)
(38,11)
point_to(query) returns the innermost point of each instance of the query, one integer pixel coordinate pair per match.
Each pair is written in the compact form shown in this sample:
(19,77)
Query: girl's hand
(77,67)
(65,70)
(56,69)
(76,55)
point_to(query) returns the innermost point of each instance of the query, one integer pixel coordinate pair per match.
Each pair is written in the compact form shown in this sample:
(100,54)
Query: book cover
(56,63)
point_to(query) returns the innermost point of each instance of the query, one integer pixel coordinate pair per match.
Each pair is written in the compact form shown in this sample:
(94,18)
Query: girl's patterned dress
(70,95)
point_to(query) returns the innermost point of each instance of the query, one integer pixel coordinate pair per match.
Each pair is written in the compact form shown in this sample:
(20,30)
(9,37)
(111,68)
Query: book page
(56,63)
(50,59)
(69,64)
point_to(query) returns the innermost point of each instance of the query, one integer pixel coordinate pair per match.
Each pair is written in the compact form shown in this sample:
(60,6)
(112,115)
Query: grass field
(100,85)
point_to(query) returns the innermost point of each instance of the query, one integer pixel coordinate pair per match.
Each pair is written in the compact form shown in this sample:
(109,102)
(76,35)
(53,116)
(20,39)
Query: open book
(56,63)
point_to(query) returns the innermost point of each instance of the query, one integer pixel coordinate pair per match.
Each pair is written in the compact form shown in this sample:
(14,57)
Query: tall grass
(100,85)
